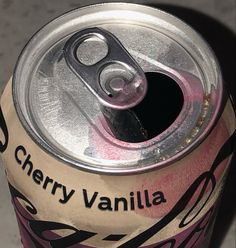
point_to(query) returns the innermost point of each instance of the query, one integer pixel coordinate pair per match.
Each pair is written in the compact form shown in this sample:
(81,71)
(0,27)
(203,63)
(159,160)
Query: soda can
(116,131)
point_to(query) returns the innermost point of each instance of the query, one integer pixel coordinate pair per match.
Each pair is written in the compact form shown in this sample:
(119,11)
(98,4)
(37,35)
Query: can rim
(114,171)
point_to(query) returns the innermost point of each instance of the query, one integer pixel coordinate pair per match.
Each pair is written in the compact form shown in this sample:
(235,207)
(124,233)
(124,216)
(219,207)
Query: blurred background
(214,19)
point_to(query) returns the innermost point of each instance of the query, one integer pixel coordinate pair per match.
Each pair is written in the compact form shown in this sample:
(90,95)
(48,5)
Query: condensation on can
(73,183)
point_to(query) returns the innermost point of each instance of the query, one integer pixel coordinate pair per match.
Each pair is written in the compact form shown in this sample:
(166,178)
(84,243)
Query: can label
(61,206)
(33,231)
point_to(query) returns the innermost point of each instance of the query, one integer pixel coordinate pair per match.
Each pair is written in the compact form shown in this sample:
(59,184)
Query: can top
(64,117)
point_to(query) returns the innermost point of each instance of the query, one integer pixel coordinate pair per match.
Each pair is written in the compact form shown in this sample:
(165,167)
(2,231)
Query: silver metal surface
(64,117)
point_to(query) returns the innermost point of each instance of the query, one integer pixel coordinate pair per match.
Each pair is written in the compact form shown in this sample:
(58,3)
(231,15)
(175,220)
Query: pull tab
(116,80)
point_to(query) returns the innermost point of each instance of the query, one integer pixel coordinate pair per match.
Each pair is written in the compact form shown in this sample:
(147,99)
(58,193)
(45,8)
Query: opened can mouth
(63,113)
(159,109)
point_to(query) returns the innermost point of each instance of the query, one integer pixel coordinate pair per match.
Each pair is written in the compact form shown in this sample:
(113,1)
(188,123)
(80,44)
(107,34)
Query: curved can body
(84,187)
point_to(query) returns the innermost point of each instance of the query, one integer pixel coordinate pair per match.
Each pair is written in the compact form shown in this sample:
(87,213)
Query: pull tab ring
(116,80)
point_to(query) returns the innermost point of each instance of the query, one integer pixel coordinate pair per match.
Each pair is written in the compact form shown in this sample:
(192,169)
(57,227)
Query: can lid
(66,118)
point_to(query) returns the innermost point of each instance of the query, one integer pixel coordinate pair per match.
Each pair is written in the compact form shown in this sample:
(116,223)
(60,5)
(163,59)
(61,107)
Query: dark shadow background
(223,42)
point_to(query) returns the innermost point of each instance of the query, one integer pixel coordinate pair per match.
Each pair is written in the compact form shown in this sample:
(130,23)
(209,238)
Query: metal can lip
(134,167)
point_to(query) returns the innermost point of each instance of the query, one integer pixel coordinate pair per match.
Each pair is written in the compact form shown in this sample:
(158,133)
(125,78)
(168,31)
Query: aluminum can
(89,163)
